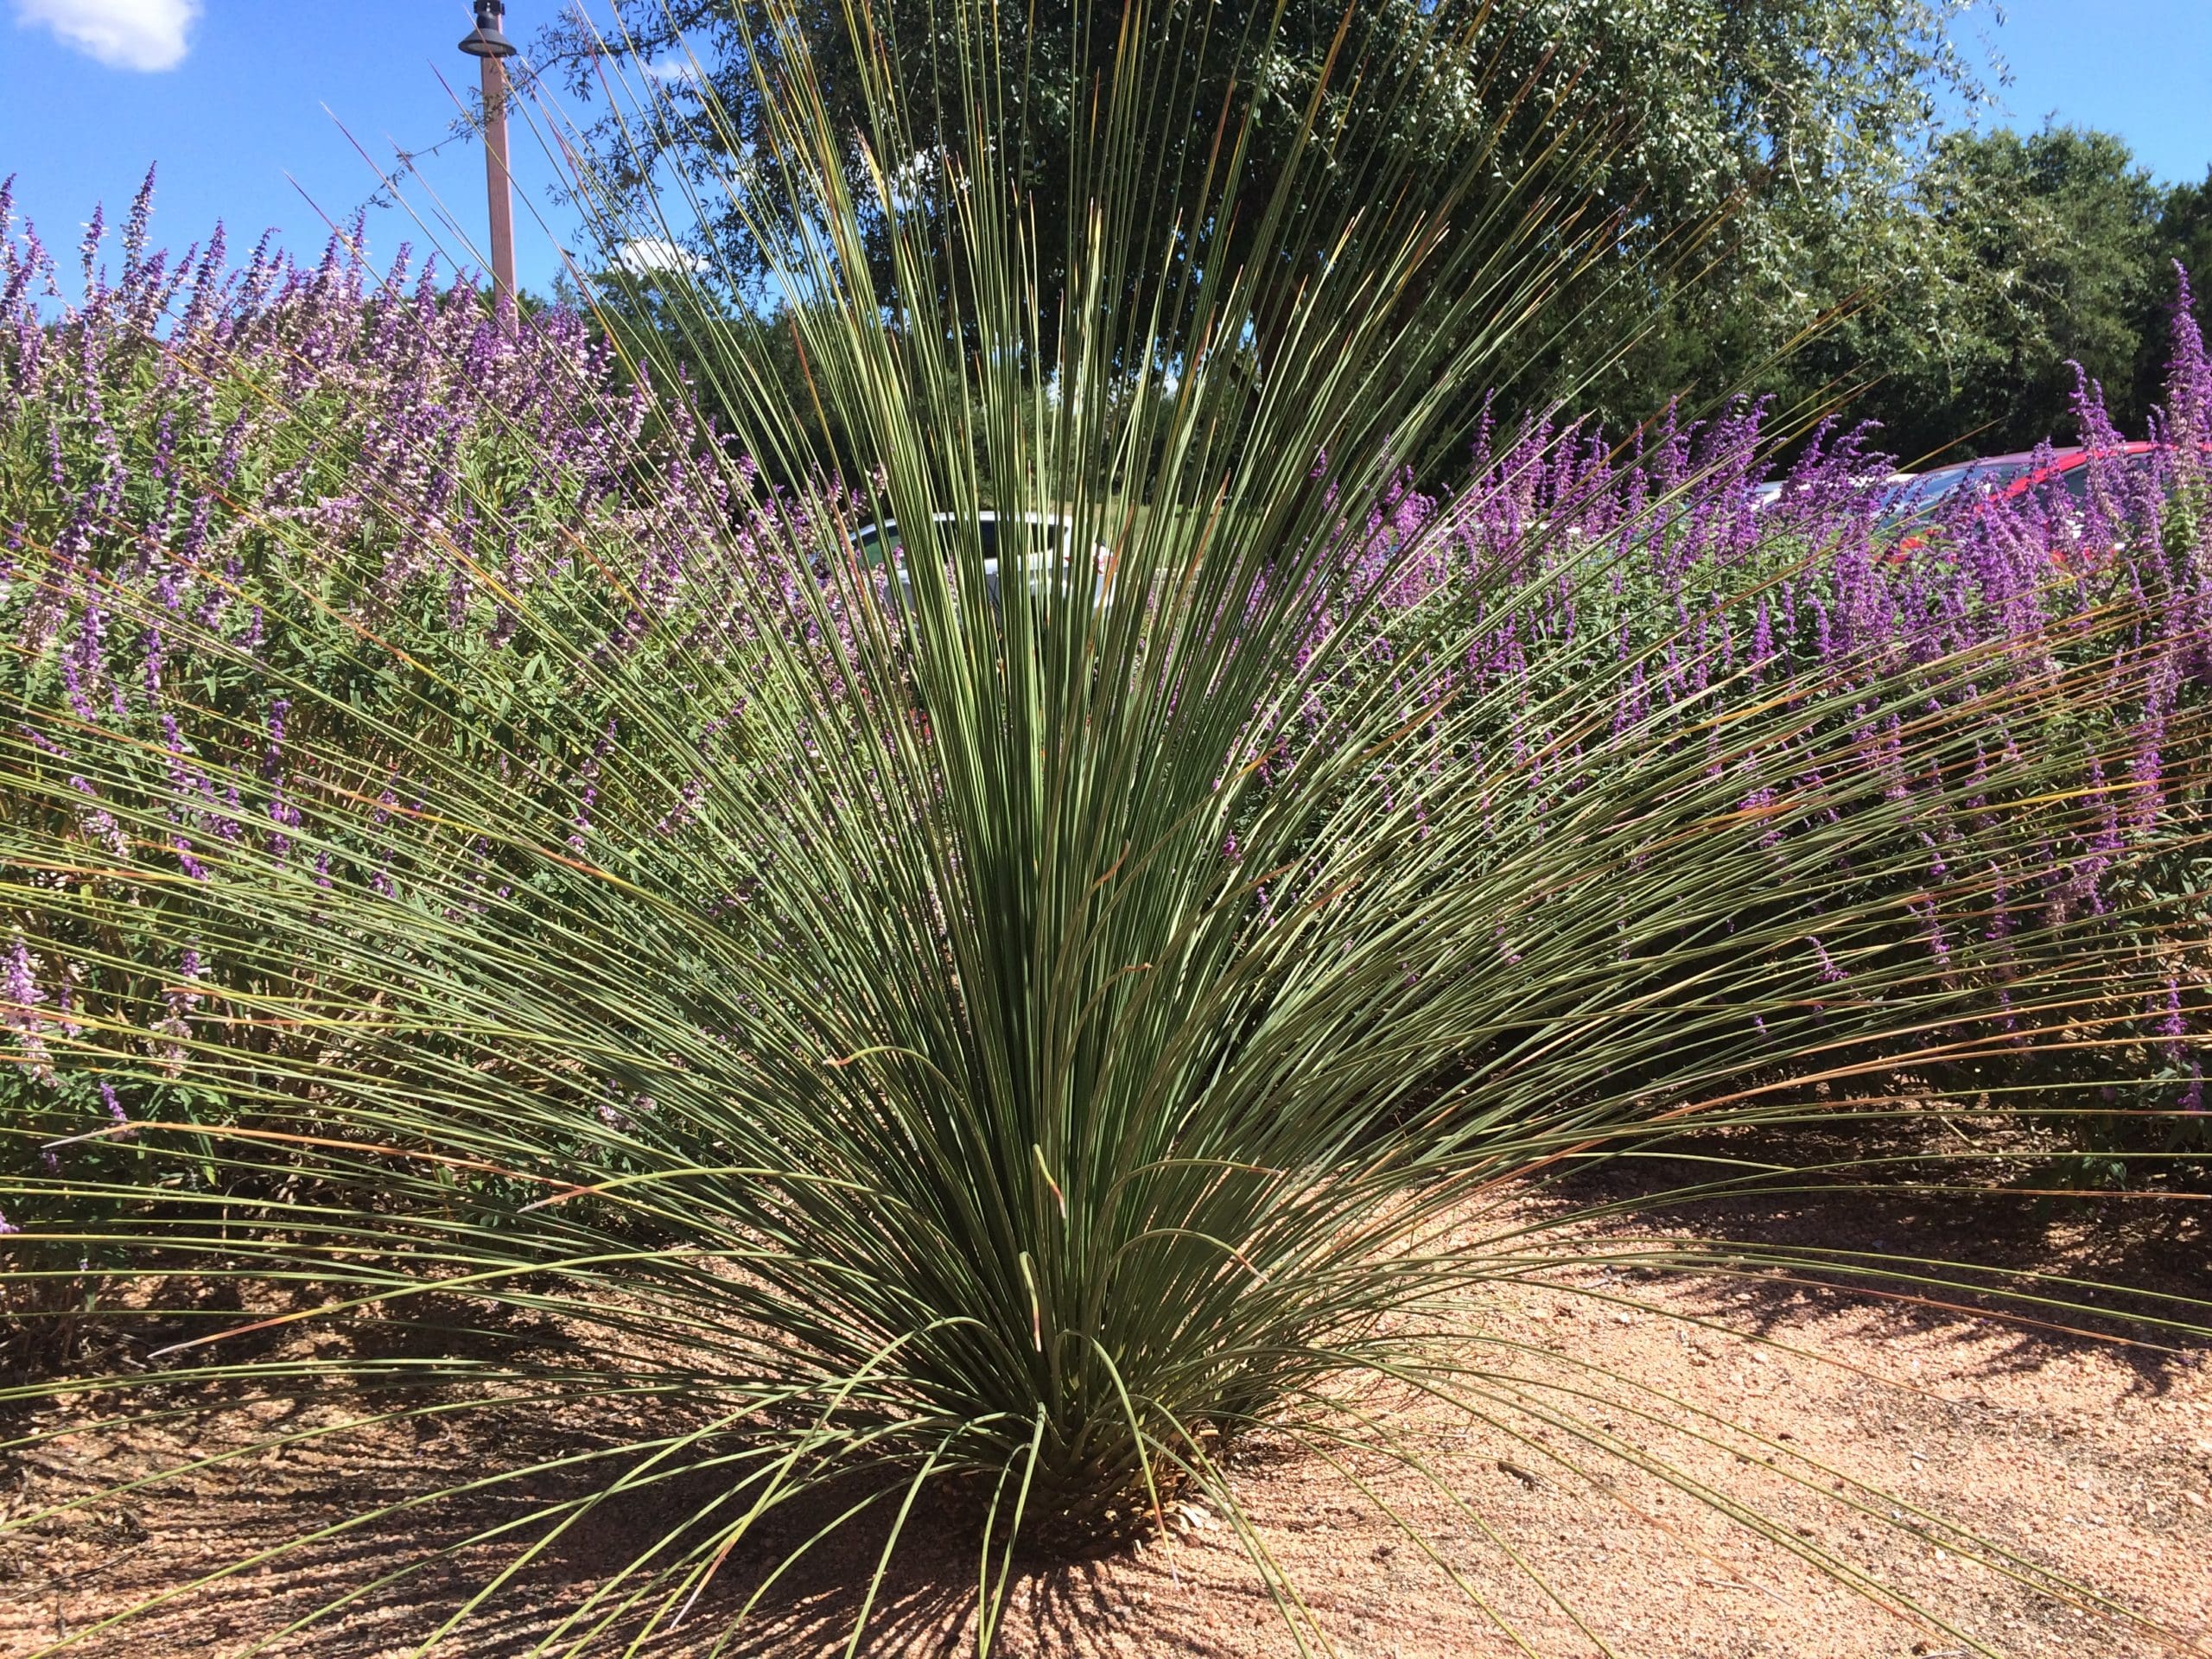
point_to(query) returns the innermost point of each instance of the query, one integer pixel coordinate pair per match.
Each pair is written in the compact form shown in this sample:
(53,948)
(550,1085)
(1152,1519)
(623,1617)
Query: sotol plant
(893,1035)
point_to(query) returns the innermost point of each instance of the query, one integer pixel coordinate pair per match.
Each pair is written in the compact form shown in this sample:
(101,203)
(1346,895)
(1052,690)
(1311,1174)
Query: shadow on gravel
(2129,1273)
(291,1545)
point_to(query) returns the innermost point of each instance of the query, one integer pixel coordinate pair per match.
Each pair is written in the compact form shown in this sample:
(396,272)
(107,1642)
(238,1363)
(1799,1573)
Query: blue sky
(238,123)
(229,96)
(2141,68)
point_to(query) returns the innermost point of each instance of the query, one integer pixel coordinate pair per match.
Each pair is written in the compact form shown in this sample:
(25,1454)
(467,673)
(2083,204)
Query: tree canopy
(1752,134)
(2041,251)
(1770,180)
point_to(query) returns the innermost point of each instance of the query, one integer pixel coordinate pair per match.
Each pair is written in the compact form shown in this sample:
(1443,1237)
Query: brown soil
(1848,1417)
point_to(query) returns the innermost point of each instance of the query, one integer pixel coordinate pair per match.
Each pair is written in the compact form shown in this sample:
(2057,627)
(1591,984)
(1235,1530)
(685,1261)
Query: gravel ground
(2074,1471)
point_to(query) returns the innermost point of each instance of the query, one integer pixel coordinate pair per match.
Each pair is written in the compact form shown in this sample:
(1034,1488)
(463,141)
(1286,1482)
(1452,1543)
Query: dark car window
(1929,487)
(1999,474)
(2076,477)
(872,543)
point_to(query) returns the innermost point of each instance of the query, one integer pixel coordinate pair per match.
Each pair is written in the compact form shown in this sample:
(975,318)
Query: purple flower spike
(117,1116)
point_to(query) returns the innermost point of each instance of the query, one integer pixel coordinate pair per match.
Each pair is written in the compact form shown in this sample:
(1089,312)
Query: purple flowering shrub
(216,484)
(1713,599)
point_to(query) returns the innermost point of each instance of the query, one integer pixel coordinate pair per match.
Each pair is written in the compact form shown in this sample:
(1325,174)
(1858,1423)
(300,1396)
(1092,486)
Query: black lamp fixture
(485,40)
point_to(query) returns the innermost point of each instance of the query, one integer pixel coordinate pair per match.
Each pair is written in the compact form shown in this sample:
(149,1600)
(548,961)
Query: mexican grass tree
(907,1031)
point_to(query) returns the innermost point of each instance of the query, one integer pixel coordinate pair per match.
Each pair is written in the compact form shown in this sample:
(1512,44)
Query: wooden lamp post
(491,49)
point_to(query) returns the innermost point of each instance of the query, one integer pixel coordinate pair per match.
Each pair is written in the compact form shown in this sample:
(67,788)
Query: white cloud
(121,33)
(651,255)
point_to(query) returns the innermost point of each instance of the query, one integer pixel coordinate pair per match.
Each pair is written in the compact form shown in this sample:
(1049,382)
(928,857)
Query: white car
(1050,540)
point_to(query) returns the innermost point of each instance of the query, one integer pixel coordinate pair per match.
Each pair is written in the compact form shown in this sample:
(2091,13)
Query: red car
(2009,477)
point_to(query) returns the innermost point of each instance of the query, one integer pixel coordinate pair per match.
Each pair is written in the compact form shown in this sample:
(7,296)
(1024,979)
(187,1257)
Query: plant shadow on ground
(924,1604)
(2116,1258)
(345,1450)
